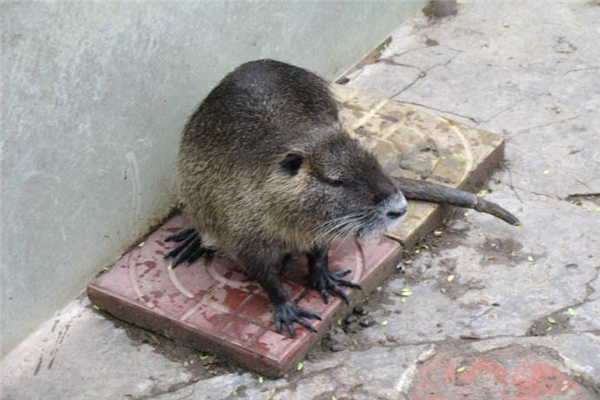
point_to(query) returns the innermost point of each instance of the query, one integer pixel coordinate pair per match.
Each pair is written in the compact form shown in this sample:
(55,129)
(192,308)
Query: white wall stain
(136,191)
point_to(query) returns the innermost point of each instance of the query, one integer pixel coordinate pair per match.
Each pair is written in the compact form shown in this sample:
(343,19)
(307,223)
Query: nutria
(266,170)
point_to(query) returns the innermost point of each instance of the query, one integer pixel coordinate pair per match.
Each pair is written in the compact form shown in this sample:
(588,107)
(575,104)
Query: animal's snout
(396,207)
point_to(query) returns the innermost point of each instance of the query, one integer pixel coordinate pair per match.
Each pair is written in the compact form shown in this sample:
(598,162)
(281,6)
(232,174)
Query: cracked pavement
(509,305)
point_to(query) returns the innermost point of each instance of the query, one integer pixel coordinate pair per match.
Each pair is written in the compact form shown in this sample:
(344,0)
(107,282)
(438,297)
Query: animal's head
(333,187)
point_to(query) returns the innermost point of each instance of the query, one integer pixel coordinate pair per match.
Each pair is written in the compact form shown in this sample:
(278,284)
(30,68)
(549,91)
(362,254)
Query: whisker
(334,224)
(350,227)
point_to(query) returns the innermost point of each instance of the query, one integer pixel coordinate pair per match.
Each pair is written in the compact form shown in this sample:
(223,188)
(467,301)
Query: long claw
(290,330)
(306,325)
(185,254)
(196,255)
(189,248)
(340,294)
(325,296)
(341,274)
(181,235)
(349,284)
(182,246)
(308,314)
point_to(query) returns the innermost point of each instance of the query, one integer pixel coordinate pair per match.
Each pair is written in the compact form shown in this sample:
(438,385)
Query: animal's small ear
(292,163)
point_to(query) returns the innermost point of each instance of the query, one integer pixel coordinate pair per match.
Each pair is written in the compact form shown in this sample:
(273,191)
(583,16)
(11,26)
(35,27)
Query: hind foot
(287,313)
(189,248)
(325,281)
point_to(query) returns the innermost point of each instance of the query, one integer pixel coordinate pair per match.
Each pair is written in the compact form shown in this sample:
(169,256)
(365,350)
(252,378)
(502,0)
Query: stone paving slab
(411,143)
(215,307)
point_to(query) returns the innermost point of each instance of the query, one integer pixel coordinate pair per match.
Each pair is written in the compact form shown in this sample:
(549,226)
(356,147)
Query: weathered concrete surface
(529,72)
(79,354)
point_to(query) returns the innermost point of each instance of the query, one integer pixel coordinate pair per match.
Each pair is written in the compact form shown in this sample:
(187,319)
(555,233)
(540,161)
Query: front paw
(287,313)
(325,281)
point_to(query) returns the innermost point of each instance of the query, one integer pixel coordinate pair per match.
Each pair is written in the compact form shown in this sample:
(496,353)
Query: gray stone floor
(529,71)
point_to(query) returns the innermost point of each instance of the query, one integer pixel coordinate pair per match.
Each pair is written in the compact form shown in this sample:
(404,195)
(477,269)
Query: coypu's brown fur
(266,170)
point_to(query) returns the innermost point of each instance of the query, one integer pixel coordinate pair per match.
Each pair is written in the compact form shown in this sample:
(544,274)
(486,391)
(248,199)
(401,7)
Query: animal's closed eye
(334,182)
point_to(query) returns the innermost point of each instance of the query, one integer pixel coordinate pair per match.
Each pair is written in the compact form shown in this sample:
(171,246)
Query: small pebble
(359,310)
(366,321)
(353,327)
(351,318)
(459,225)
(338,347)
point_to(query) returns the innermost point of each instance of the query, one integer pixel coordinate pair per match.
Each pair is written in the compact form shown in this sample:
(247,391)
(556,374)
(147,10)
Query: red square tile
(227,298)
(279,347)
(213,306)
(207,319)
(257,310)
(242,332)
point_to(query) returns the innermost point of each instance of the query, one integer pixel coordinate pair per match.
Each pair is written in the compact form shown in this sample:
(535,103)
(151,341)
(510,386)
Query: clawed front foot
(189,248)
(287,313)
(325,281)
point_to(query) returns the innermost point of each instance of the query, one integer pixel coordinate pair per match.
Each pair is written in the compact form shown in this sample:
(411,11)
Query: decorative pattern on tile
(221,305)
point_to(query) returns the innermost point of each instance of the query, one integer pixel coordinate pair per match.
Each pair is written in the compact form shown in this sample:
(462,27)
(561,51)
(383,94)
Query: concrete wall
(93,100)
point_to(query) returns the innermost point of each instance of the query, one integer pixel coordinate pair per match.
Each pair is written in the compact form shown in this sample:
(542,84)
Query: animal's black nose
(396,214)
